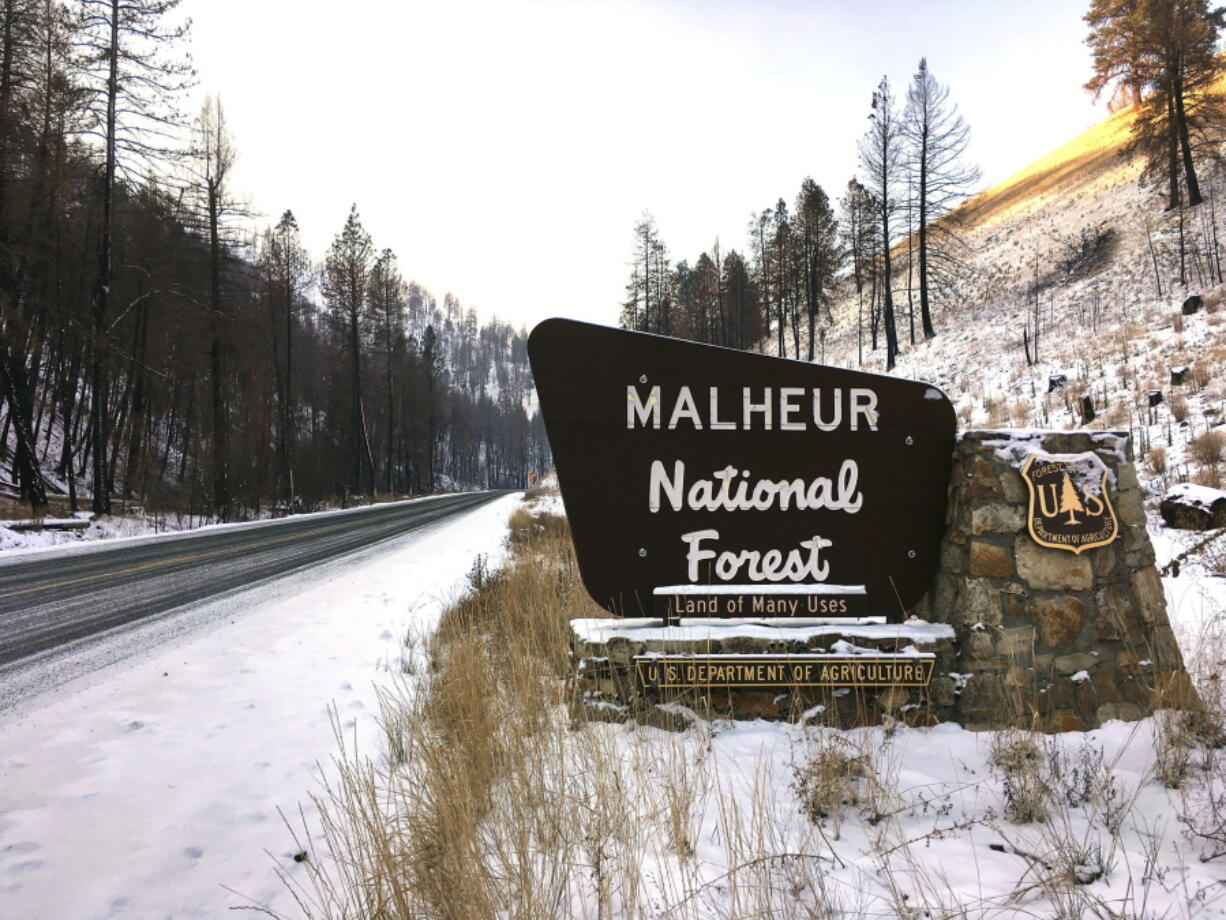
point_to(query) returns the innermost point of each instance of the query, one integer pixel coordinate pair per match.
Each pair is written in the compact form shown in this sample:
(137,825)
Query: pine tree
(20,39)
(741,308)
(758,225)
(858,233)
(1165,51)
(1070,501)
(213,159)
(819,254)
(646,308)
(346,280)
(286,268)
(387,299)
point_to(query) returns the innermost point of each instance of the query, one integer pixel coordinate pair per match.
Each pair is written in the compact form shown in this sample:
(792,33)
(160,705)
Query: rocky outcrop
(1192,507)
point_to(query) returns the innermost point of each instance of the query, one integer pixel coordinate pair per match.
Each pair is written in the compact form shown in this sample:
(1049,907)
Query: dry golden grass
(1206,448)
(1178,406)
(493,802)
(1157,459)
(496,799)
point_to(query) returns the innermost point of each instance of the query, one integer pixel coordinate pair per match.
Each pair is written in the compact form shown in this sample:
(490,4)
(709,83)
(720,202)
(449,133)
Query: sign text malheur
(705,482)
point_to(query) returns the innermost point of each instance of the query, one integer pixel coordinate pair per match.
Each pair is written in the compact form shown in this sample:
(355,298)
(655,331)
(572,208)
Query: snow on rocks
(1188,506)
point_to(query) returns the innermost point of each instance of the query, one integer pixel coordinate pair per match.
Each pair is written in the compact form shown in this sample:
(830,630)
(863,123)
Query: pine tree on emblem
(1070,501)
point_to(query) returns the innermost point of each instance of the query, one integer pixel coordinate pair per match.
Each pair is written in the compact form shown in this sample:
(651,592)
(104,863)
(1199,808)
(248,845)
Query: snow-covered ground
(136,526)
(116,527)
(926,831)
(152,789)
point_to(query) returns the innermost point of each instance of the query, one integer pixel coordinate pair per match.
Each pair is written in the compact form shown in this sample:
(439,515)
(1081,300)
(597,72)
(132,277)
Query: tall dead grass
(494,799)
(493,802)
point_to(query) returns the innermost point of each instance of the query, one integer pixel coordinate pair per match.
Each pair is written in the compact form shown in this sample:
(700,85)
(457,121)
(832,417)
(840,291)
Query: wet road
(48,601)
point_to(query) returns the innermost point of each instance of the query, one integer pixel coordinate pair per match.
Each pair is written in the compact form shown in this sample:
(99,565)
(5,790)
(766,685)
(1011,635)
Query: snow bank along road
(153,786)
(50,599)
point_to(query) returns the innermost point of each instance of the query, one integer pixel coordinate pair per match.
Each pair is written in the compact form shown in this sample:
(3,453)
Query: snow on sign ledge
(598,631)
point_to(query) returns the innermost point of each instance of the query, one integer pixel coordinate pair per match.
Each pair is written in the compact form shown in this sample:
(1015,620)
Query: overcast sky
(505,149)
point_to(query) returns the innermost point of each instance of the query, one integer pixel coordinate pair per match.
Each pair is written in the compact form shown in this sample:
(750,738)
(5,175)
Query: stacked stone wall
(1075,639)
(604,653)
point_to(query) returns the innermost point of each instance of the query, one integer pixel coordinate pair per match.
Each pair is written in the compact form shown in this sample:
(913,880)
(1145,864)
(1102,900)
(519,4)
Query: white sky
(504,150)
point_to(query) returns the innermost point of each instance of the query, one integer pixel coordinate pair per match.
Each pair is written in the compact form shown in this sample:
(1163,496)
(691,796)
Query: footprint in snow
(26,846)
(193,852)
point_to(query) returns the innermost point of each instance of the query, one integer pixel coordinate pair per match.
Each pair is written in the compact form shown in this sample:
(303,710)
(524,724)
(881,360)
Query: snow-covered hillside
(1105,259)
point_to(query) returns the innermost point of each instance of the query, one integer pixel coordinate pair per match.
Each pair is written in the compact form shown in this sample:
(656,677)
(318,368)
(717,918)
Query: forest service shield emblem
(1069,505)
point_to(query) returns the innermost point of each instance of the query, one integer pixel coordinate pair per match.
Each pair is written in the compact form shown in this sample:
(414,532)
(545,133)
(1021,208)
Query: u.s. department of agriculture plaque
(706,482)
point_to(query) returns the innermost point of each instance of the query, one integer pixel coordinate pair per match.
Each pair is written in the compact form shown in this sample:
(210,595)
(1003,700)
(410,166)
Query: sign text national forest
(705,482)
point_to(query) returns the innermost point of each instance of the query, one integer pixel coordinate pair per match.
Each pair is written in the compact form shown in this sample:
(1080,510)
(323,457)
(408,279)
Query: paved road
(46,602)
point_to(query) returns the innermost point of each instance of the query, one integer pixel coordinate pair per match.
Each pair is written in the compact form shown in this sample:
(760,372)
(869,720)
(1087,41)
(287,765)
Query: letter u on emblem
(1055,502)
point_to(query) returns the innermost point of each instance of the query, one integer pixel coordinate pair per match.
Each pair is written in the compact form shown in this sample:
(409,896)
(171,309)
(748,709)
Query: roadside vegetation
(495,795)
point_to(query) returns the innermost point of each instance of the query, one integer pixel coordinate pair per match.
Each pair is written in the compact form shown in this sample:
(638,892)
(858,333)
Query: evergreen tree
(346,281)
(213,159)
(647,305)
(1166,52)
(286,268)
(819,255)
(387,299)
(858,225)
(741,308)
(1070,501)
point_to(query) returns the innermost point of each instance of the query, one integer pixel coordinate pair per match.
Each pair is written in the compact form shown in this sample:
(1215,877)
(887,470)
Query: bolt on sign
(1069,505)
(707,482)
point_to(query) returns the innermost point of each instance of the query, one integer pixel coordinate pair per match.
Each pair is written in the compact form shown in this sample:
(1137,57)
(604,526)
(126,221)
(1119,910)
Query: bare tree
(881,159)
(938,138)
(134,85)
(212,160)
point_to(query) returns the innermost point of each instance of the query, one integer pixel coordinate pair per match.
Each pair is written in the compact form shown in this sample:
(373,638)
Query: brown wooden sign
(675,672)
(1069,505)
(706,482)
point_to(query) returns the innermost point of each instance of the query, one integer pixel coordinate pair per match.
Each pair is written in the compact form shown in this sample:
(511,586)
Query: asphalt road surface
(45,603)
